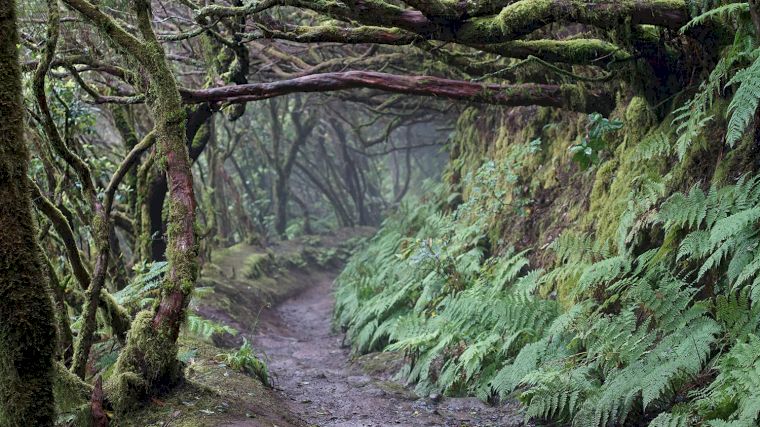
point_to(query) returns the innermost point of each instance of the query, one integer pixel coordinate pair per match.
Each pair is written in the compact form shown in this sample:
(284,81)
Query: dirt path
(320,384)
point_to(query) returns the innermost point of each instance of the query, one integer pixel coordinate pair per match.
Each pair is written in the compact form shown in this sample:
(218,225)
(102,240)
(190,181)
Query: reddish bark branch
(568,97)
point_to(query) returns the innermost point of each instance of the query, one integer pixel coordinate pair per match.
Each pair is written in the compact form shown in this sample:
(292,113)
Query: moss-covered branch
(440,9)
(118,318)
(149,359)
(482,22)
(332,33)
(110,28)
(51,131)
(574,51)
(65,337)
(523,17)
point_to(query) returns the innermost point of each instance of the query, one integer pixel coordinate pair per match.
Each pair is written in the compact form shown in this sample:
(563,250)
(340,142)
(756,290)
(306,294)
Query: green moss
(147,364)
(258,265)
(211,395)
(70,392)
(27,319)
(521,13)
(117,316)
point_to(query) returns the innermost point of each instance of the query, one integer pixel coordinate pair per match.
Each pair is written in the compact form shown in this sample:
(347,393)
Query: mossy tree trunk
(148,363)
(27,320)
(152,187)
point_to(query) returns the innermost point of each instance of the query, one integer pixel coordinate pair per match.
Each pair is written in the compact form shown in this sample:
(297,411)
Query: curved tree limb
(567,97)
(492,21)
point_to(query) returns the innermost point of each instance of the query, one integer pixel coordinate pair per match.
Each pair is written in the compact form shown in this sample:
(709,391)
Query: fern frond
(717,13)
(744,103)
(655,145)
(732,225)
(205,328)
(666,419)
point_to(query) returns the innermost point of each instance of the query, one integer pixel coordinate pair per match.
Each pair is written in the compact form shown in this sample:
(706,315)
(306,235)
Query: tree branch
(523,17)
(331,33)
(567,97)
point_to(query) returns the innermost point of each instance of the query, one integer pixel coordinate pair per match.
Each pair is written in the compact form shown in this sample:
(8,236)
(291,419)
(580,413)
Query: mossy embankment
(566,259)
(247,279)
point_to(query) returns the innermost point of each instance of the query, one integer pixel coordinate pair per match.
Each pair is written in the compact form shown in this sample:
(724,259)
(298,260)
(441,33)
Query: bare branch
(568,97)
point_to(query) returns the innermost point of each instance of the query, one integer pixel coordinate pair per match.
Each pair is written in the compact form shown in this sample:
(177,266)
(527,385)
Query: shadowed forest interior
(379,212)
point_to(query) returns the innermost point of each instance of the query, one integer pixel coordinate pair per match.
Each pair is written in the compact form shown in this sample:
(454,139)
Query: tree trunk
(148,363)
(306,215)
(65,337)
(281,203)
(155,186)
(27,320)
(219,203)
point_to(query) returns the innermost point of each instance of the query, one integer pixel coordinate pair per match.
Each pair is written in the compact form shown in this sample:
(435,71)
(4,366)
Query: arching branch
(565,96)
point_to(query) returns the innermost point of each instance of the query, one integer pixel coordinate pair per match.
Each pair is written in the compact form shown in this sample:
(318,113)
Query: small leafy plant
(586,153)
(245,360)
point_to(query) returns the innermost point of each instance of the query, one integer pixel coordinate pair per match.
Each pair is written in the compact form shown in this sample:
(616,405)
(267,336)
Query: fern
(745,101)
(684,210)
(640,336)
(144,288)
(719,12)
(671,420)
(603,272)
(204,328)
(555,393)
(245,360)
(732,397)
(655,145)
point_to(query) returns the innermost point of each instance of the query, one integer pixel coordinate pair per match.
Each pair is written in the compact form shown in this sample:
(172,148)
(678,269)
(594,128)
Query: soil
(321,385)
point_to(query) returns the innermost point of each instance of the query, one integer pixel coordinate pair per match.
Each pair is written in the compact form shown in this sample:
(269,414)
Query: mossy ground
(211,395)
(246,280)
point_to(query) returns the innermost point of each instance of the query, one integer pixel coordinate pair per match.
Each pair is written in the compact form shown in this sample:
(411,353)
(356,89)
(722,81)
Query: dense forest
(379,212)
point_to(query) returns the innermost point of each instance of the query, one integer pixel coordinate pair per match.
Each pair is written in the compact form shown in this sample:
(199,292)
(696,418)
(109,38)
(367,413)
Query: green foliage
(586,153)
(693,116)
(204,328)
(718,13)
(246,361)
(144,288)
(638,343)
(493,188)
(745,101)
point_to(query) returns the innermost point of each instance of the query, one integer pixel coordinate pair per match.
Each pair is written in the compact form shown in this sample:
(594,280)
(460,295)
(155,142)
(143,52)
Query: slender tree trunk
(118,268)
(148,363)
(281,203)
(341,212)
(219,203)
(65,338)
(125,127)
(116,316)
(306,215)
(754,11)
(27,320)
(245,226)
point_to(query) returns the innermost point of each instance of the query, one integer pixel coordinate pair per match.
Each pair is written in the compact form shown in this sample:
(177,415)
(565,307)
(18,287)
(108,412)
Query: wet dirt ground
(319,383)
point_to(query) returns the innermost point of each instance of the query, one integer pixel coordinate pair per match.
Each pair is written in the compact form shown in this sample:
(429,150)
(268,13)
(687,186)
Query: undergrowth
(671,330)
(658,325)
(245,360)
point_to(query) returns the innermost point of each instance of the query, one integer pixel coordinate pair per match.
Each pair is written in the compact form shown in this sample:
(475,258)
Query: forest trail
(320,384)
